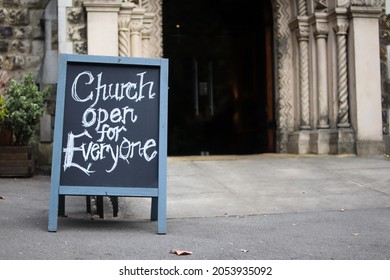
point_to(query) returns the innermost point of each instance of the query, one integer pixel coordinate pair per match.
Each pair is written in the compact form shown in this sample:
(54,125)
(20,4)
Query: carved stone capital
(301,27)
(341,27)
(147,24)
(321,29)
(321,26)
(123,23)
(136,22)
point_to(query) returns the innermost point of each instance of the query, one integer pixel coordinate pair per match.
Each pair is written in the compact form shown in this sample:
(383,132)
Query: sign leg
(53,209)
(162,215)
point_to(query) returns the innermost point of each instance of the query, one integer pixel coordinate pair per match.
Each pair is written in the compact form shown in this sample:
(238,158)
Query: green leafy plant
(25,105)
(3,110)
(4,80)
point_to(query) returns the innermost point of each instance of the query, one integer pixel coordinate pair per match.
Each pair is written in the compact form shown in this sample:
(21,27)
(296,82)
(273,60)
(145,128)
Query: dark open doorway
(220,76)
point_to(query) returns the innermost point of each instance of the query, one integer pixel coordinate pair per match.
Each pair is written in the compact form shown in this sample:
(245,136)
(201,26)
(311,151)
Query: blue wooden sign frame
(158,192)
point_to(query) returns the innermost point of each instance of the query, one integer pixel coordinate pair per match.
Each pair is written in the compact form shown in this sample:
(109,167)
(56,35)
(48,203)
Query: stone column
(303,41)
(102,26)
(365,79)
(321,33)
(146,32)
(298,141)
(136,24)
(344,133)
(124,29)
(342,24)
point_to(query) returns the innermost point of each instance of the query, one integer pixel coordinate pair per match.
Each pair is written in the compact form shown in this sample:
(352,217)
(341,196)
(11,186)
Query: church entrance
(220,77)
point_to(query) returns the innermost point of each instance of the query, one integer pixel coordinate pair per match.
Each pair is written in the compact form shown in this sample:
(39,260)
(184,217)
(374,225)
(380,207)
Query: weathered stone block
(38,48)
(35,17)
(38,33)
(385,37)
(6,32)
(21,46)
(22,32)
(2,59)
(75,15)
(370,148)
(14,62)
(299,142)
(3,15)
(18,17)
(346,141)
(33,61)
(3,46)
(80,47)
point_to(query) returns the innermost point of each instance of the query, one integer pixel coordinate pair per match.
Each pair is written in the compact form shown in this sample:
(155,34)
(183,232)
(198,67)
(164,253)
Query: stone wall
(21,36)
(77,27)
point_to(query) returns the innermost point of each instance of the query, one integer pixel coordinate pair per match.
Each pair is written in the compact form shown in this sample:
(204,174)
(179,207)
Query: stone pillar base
(386,139)
(323,142)
(299,142)
(346,141)
(369,148)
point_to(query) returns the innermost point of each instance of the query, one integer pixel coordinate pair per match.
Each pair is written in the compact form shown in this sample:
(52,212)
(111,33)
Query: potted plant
(23,106)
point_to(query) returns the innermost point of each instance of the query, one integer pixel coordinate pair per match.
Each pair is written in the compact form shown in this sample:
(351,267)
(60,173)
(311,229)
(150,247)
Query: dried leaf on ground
(180,252)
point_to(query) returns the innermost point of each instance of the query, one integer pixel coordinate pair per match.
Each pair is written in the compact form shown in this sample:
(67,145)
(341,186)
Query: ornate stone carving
(321,29)
(146,32)
(302,33)
(302,10)
(136,25)
(321,32)
(124,35)
(341,29)
(284,98)
(155,42)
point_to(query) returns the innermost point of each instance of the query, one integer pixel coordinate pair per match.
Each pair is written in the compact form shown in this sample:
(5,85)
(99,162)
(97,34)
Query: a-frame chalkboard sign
(110,136)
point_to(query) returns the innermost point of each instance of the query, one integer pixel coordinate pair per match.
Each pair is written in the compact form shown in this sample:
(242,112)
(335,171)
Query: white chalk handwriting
(111,145)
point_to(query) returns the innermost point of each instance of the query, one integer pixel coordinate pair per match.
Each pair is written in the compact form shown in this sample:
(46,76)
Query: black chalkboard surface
(110,135)
(111,125)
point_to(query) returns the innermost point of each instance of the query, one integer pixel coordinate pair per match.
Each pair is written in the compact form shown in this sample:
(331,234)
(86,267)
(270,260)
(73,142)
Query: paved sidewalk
(249,207)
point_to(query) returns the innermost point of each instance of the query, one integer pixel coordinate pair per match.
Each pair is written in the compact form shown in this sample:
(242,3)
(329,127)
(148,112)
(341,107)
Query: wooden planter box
(16,161)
